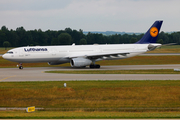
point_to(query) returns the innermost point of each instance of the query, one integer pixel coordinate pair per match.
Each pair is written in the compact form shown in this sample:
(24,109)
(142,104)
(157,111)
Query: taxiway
(37,74)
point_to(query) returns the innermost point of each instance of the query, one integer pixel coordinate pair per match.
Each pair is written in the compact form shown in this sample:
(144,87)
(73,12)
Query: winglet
(152,34)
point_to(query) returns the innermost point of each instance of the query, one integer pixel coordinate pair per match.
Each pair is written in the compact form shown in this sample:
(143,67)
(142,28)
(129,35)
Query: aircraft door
(21,54)
(53,52)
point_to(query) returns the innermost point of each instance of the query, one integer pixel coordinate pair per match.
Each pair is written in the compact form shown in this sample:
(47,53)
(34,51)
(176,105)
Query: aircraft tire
(95,66)
(91,66)
(20,67)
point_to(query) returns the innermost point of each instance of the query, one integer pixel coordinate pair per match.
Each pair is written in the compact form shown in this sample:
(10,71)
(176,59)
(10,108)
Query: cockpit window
(9,52)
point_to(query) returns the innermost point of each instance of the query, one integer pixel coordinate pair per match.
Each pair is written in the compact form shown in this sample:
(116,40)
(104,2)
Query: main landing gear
(20,66)
(94,66)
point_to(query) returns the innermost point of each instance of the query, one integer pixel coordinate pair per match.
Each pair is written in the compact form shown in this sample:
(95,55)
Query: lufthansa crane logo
(153,31)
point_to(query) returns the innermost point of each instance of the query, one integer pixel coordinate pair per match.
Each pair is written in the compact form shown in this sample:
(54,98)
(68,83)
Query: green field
(87,115)
(3,50)
(161,71)
(138,60)
(167,49)
(96,99)
(91,94)
(92,99)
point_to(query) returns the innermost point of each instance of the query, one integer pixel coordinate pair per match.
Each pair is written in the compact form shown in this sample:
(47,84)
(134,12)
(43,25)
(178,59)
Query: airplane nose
(4,56)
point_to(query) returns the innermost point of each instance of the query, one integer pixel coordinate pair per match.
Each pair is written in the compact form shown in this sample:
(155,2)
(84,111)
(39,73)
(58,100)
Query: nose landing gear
(20,66)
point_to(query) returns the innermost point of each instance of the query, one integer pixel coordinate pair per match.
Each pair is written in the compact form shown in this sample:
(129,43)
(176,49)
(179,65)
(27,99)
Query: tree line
(21,37)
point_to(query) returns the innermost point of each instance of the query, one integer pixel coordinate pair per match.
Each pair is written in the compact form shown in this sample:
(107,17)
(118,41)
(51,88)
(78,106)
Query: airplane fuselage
(84,55)
(63,54)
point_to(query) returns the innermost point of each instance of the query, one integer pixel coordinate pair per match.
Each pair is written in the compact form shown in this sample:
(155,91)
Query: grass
(101,95)
(92,99)
(143,60)
(167,49)
(161,71)
(138,60)
(3,50)
(85,115)
(95,95)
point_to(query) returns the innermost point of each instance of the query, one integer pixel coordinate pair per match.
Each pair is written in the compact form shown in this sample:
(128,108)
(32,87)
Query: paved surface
(95,119)
(37,74)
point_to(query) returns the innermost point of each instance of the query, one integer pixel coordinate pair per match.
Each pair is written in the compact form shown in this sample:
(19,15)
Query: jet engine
(80,62)
(54,63)
(60,61)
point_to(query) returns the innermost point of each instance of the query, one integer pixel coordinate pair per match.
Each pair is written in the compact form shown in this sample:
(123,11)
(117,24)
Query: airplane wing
(104,54)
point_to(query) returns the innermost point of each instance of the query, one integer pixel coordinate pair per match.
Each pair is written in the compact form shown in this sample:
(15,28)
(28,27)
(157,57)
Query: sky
(90,15)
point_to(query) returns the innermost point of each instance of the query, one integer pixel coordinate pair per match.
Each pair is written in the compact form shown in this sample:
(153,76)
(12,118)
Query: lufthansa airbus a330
(84,55)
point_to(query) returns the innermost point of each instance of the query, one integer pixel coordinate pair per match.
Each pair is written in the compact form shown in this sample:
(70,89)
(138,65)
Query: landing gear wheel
(95,66)
(91,66)
(20,67)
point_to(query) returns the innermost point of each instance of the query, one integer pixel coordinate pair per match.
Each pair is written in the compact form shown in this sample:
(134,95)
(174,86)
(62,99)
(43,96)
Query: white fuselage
(64,54)
(84,55)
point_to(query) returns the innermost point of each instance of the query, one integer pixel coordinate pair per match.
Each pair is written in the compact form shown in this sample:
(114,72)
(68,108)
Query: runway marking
(7,77)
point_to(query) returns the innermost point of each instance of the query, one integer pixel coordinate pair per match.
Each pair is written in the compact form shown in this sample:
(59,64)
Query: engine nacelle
(80,62)
(60,61)
(54,63)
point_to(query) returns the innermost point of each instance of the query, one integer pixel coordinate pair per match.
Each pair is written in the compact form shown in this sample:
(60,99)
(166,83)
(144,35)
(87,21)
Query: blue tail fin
(152,34)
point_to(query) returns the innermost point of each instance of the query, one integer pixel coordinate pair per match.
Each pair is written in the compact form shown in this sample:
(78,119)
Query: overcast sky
(90,15)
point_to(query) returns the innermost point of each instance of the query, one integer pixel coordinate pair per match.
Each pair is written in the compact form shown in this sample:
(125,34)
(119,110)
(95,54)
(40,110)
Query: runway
(95,119)
(37,74)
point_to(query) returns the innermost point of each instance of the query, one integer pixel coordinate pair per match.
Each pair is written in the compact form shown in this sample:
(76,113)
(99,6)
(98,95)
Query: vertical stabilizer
(152,34)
